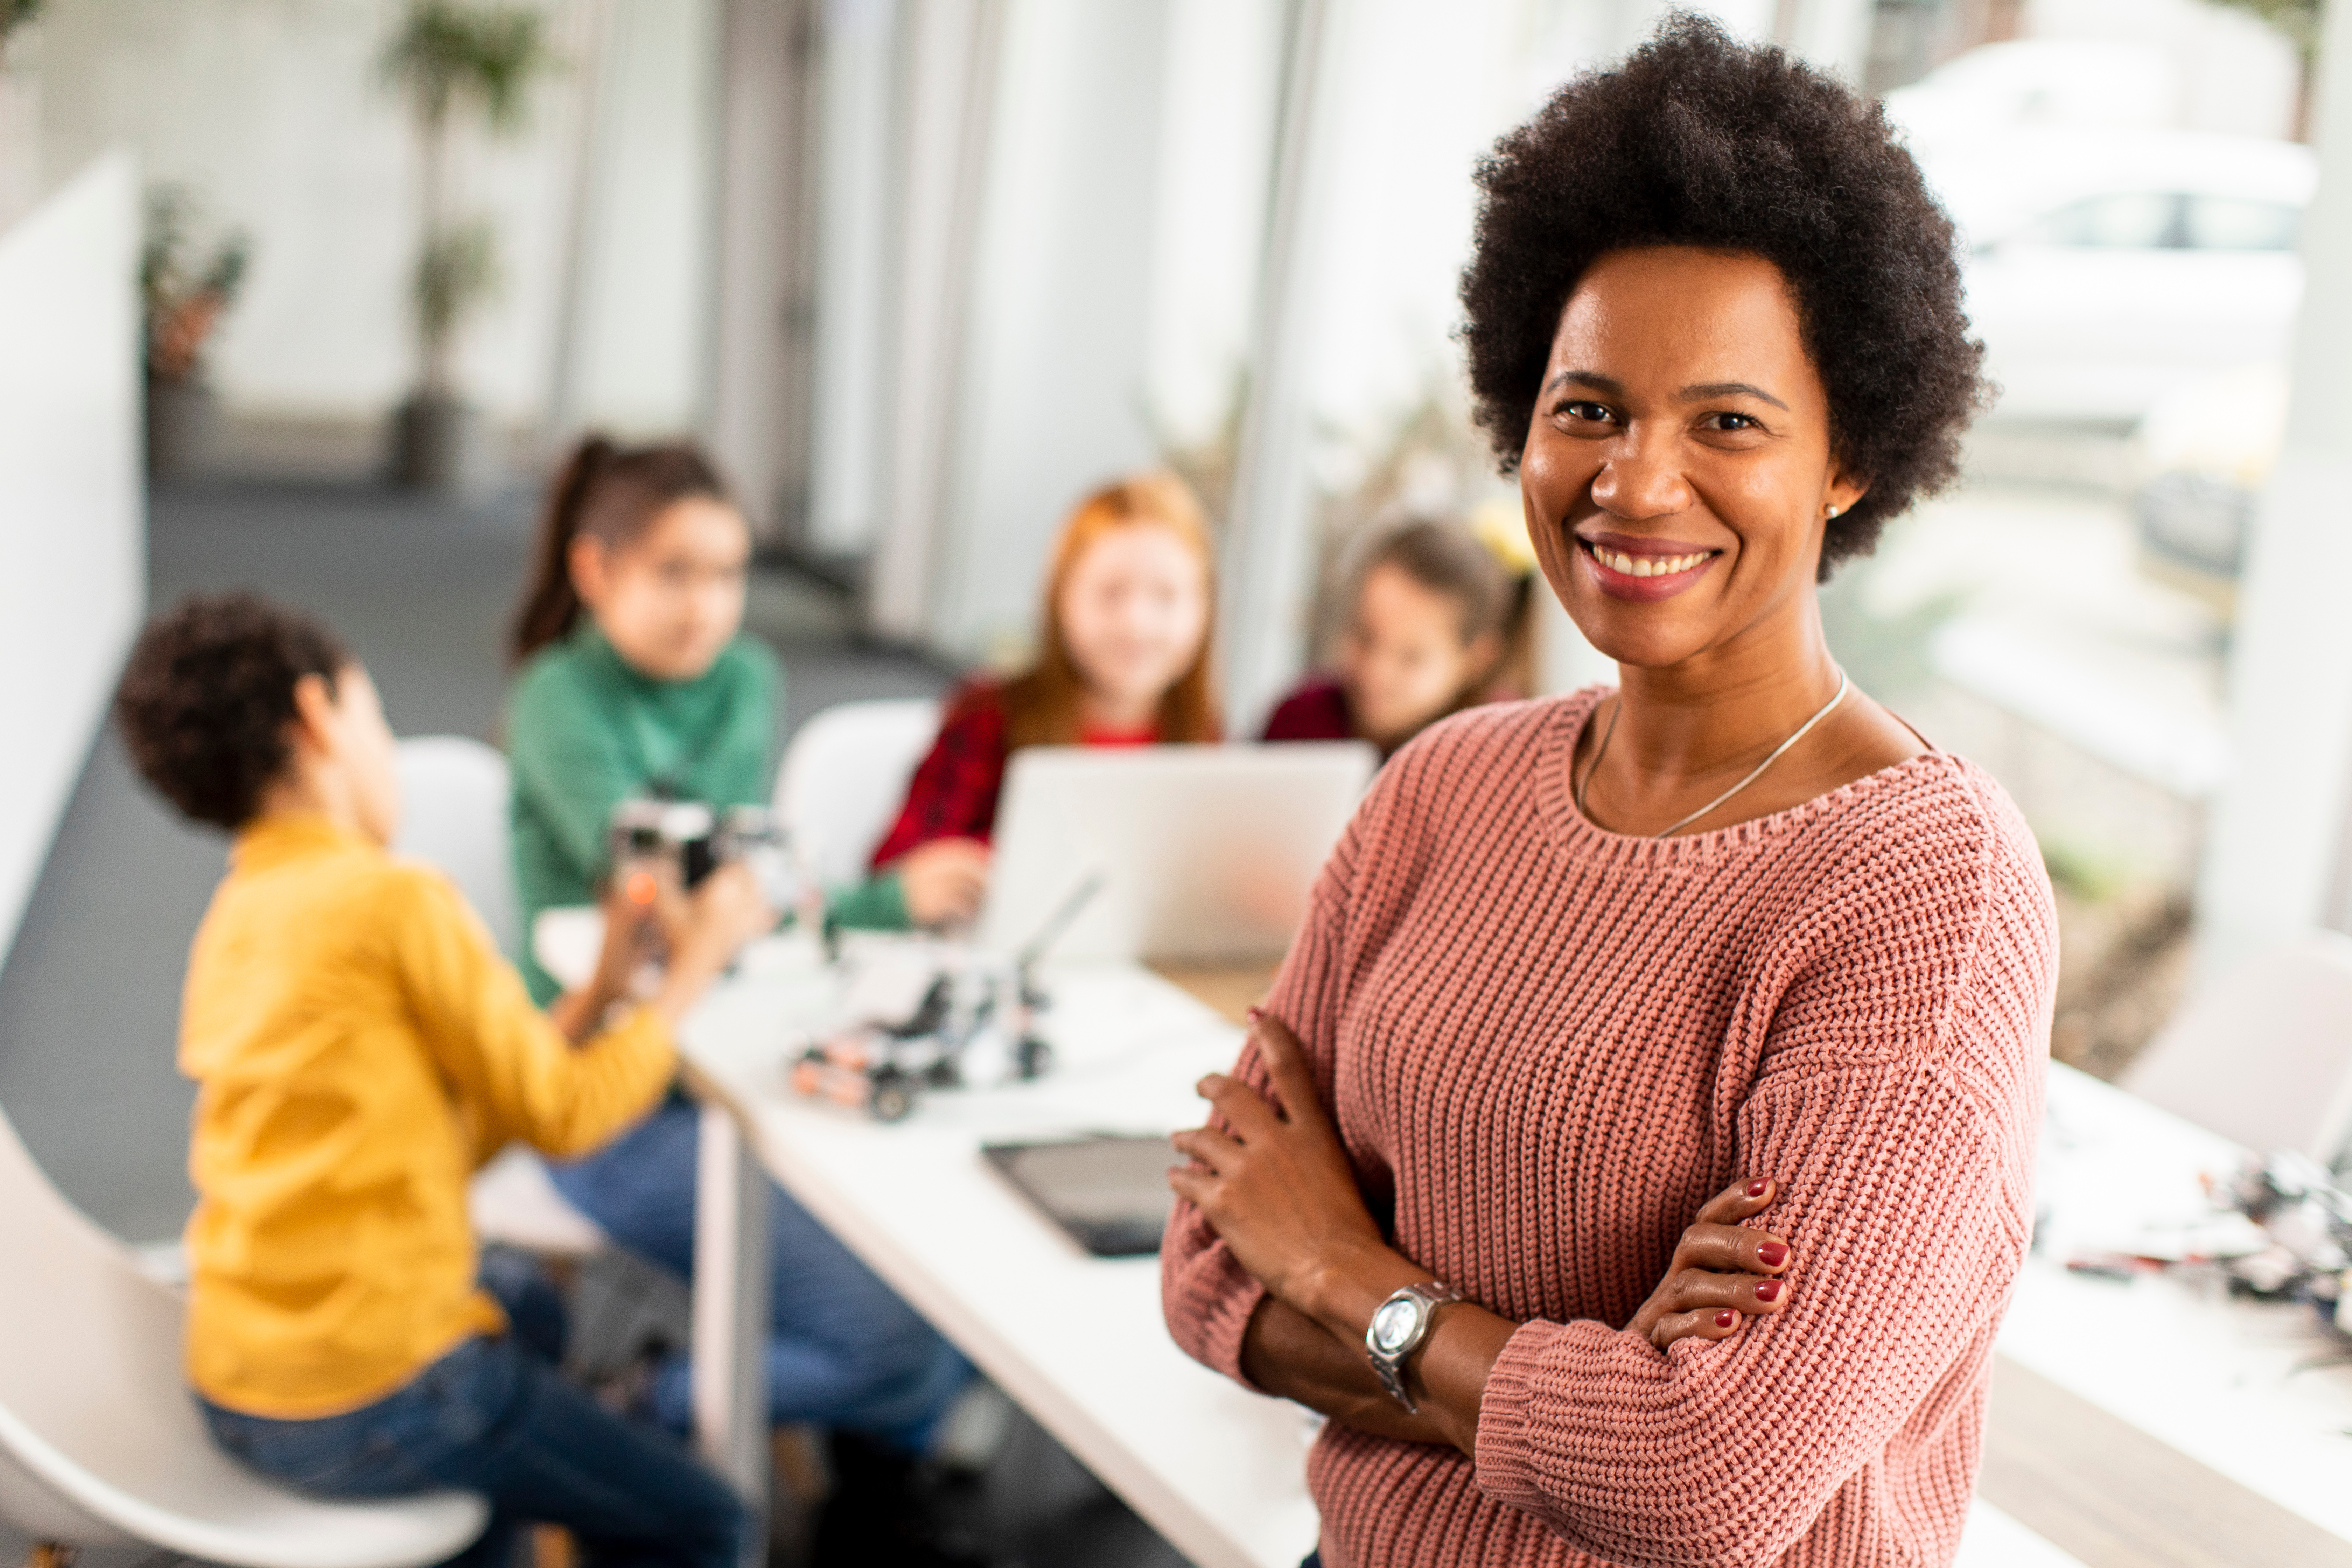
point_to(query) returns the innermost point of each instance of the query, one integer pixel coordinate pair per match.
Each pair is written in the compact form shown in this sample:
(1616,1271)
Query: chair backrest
(844,777)
(454,795)
(2264,1055)
(100,1441)
(73,1293)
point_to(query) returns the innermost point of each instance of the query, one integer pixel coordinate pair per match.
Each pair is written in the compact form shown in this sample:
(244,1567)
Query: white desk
(1076,1341)
(2261,1393)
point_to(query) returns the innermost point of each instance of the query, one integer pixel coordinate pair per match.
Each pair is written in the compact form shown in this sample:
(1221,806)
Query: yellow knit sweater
(360,1048)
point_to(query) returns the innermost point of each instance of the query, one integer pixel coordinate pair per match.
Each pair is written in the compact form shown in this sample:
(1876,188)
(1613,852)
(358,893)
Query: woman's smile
(1626,566)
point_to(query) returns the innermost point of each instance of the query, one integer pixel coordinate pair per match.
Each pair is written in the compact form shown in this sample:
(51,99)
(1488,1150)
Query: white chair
(2264,1055)
(100,1443)
(514,1202)
(844,777)
(455,798)
(454,794)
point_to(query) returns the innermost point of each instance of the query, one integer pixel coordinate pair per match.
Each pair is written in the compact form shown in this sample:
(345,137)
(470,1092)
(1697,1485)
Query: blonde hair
(1041,705)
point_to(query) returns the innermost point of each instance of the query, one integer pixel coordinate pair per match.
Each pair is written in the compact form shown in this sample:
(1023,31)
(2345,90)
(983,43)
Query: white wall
(275,111)
(73,525)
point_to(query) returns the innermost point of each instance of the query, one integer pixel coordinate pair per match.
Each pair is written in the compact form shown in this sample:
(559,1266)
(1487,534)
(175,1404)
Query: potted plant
(186,285)
(20,111)
(450,60)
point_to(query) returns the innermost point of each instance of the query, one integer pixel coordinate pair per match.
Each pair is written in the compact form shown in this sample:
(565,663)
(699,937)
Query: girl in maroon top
(1433,622)
(1123,661)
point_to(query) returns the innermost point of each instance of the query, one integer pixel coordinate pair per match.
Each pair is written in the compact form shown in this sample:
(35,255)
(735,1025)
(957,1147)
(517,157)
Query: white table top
(2260,1393)
(1076,1341)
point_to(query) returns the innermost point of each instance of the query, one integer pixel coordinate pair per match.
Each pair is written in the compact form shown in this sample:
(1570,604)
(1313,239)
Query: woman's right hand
(1722,1273)
(943,880)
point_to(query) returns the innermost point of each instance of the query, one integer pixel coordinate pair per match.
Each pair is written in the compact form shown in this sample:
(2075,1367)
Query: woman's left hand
(1274,1180)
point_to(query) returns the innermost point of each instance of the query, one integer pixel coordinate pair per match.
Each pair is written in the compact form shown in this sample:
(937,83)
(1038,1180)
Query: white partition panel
(73,525)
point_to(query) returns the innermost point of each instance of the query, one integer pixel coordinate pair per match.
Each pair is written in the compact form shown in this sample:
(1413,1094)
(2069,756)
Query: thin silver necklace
(1608,734)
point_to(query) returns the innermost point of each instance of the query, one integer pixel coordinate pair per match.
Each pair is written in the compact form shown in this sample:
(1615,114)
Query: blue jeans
(492,1417)
(843,1350)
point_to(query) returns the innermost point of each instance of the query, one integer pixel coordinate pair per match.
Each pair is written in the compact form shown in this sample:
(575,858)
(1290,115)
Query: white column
(1047,392)
(756,407)
(1268,564)
(2276,850)
(948,65)
(857,188)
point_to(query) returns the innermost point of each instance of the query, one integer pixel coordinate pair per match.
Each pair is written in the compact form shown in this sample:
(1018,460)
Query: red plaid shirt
(953,794)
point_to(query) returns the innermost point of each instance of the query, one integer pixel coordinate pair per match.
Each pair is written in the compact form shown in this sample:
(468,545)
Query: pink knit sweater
(1546,1044)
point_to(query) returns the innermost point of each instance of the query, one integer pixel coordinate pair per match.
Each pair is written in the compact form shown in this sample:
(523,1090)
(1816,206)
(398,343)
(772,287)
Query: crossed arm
(1272,1179)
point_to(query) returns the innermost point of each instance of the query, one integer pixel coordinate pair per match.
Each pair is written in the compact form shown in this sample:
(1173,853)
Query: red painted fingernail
(1769,1291)
(1725,1320)
(1757,1189)
(1771,1254)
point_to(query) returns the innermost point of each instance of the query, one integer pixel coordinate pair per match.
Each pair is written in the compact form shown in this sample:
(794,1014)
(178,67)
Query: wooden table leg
(731,1320)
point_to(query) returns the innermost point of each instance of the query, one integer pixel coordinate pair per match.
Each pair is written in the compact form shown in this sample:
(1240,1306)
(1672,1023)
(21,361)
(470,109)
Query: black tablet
(1110,1195)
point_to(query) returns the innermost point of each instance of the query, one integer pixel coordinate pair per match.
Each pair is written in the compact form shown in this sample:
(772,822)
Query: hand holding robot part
(692,839)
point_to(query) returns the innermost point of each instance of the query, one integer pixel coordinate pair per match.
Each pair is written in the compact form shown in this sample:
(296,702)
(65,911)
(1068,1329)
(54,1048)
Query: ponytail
(607,492)
(550,604)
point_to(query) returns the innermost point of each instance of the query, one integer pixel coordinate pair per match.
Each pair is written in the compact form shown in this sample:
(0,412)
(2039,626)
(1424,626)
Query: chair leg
(50,1554)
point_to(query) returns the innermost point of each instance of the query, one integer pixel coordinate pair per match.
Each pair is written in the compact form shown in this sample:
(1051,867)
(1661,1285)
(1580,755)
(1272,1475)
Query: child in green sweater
(635,676)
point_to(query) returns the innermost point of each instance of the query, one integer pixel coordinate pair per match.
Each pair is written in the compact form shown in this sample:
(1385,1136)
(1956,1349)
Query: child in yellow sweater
(360,1048)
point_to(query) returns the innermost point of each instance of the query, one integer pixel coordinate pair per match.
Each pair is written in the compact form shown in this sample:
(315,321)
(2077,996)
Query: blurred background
(922,271)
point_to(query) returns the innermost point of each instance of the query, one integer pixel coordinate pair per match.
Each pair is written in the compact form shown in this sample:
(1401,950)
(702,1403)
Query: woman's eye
(1730,422)
(1591,412)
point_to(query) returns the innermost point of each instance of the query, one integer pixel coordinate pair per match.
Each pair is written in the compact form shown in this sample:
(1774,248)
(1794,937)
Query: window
(2235,223)
(2128,220)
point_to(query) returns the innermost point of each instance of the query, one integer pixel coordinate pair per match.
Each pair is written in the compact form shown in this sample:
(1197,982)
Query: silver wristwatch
(1399,1326)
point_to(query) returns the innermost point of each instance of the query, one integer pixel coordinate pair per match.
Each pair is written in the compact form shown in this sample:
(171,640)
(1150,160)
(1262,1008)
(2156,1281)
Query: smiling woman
(1595,987)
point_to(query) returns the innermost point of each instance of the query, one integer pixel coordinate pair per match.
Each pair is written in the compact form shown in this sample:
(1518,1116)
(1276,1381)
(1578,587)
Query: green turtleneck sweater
(585,731)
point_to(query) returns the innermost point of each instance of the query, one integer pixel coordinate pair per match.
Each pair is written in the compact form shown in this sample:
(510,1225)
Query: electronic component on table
(974,1008)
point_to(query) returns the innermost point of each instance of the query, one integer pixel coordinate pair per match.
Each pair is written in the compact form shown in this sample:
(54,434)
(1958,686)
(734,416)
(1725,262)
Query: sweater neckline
(1572,830)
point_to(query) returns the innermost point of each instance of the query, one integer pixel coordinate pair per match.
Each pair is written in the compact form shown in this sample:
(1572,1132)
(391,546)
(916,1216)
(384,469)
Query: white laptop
(1197,853)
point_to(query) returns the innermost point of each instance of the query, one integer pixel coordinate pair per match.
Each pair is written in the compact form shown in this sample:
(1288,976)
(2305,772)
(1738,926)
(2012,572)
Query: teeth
(1646,566)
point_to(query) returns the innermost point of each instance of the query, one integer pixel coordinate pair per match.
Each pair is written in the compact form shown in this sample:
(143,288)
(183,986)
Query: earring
(1834,511)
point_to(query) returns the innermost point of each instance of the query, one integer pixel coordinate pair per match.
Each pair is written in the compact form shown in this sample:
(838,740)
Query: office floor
(421,591)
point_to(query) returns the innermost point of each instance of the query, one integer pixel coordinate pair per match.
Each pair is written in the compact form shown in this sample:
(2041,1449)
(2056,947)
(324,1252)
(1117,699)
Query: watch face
(1394,1324)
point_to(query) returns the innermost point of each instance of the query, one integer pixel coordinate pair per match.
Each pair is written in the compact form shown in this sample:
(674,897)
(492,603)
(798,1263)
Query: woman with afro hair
(1633,1157)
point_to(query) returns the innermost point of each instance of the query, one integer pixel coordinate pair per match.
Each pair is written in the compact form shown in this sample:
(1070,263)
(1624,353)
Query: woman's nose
(1640,479)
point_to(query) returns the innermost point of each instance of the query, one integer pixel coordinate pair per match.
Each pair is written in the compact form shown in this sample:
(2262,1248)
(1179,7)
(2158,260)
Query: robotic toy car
(973,1009)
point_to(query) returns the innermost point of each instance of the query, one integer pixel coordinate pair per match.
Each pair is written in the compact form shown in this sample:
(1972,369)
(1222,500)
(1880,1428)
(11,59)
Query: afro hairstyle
(206,697)
(1697,140)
